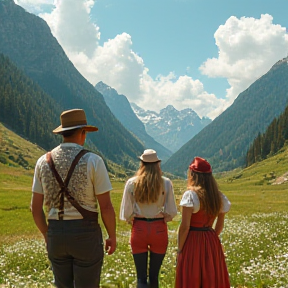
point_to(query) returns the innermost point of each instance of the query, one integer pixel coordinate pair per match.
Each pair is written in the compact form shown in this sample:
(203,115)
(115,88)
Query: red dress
(202,262)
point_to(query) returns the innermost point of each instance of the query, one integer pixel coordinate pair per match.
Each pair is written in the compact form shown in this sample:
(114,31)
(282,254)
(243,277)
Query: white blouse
(191,199)
(129,207)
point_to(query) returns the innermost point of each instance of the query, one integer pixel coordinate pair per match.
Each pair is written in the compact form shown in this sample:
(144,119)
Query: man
(72,235)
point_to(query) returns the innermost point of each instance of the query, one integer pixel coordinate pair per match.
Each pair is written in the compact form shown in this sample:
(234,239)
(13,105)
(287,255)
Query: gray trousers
(75,249)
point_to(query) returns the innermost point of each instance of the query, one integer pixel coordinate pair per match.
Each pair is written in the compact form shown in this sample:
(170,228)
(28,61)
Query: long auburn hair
(206,187)
(149,183)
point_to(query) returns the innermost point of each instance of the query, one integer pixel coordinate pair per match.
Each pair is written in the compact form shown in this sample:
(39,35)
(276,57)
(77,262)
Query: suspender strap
(64,187)
(73,165)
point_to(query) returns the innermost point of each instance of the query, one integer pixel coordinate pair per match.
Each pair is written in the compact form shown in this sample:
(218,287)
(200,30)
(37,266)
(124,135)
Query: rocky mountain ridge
(171,127)
(120,107)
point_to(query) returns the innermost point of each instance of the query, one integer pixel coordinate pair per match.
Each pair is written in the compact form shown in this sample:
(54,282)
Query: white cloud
(70,23)
(248,48)
(33,2)
(35,6)
(181,93)
(117,65)
(114,63)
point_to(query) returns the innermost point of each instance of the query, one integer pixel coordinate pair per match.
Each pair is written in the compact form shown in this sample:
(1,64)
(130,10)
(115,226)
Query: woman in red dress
(200,258)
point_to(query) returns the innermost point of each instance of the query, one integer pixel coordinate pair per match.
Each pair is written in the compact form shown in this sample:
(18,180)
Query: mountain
(25,108)
(225,141)
(27,40)
(121,108)
(170,127)
(269,142)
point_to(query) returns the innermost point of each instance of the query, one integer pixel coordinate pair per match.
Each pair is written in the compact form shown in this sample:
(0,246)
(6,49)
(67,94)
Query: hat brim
(87,128)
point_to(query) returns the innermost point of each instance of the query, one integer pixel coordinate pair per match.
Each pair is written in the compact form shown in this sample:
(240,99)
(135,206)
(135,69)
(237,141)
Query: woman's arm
(170,208)
(184,227)
(126,208)
(219,223)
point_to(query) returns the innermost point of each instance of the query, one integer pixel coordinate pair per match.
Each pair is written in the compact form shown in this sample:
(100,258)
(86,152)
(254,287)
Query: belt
(148,219)
(89,215)
(94,219)
(192,228)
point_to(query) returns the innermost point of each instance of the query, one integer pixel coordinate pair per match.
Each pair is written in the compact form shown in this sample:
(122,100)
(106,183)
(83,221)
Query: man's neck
(75,141)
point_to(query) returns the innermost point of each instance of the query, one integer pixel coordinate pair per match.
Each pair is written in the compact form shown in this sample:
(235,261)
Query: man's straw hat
(73,119)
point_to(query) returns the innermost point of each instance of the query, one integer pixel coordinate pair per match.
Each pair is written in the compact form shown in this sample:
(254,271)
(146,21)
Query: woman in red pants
(148,203)
(200,259)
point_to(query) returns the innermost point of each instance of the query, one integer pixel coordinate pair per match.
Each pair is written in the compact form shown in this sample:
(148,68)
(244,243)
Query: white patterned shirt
(90,178)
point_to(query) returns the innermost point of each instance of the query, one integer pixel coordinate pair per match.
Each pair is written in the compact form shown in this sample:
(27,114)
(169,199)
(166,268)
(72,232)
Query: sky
(198,54)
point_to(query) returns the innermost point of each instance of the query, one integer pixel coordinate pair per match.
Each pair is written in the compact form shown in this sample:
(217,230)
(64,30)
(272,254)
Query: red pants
(149,235)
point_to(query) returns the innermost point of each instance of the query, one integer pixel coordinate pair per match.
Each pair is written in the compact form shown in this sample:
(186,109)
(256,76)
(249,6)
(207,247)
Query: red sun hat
(200,165)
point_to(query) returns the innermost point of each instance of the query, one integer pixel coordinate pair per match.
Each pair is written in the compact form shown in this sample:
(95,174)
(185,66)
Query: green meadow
(255,234)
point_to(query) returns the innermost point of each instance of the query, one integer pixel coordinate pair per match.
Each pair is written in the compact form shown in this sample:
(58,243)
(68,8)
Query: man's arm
(108,217)
(38,213)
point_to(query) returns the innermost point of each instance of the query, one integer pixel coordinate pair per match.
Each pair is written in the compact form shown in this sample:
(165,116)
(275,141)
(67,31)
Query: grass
(254,237)
(16,151)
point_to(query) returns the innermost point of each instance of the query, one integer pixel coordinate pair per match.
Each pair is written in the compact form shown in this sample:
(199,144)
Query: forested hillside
(271,141)
(25,108)
(27,40)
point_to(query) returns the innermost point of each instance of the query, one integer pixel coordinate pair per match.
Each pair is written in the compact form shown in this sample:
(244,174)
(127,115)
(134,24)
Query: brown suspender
(86,214)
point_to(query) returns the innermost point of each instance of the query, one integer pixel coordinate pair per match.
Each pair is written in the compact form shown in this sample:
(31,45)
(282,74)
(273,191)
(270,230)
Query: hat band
(150,161)
(74,123)
(192,167)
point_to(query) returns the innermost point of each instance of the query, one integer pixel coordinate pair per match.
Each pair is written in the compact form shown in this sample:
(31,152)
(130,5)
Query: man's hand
(46,240)
(110,245)
(108,217)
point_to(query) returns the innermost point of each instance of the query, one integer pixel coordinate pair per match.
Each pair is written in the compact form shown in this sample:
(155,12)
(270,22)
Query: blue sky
(191,54)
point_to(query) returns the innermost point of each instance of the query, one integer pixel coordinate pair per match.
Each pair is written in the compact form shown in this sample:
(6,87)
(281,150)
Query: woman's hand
(167,217)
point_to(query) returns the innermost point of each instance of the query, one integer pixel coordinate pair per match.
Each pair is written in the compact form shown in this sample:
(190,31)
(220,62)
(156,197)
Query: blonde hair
(149,183)
(206,187)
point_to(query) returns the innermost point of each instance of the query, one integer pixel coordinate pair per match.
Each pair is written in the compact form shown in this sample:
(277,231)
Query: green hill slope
(18,156)
(226,140)
(270,141)
(16,151)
